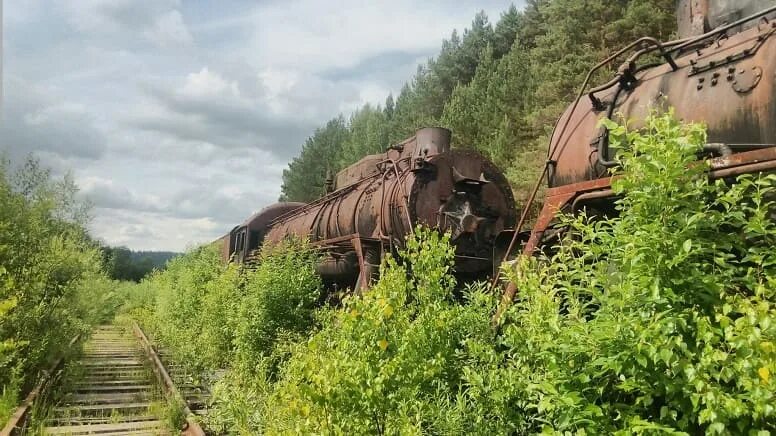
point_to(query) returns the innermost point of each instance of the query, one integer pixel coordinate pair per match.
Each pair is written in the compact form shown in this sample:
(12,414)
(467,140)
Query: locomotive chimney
(431,141)
(696,17)
(692,17)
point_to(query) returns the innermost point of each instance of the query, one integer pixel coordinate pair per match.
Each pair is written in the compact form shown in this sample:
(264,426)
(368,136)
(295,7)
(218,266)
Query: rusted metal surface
(723,77)
(725,80)
(560,198)
(248,236)
(380,199)
(192,428)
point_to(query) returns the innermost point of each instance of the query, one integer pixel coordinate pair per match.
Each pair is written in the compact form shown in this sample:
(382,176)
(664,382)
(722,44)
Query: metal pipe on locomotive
(375,203)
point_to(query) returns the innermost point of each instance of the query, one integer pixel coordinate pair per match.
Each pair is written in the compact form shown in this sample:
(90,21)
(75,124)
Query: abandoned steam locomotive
(722,72)
(376,202)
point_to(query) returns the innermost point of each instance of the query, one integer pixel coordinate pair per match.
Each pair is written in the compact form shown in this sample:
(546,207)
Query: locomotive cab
(246,238)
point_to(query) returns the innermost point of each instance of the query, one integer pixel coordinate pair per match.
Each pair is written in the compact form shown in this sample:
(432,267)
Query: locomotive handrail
(551,152)
(674,46)
(629,66)
(603,141)
(337,193)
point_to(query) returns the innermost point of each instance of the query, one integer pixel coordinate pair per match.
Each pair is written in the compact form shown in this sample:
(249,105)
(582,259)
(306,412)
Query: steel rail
(192,427)
(18,419)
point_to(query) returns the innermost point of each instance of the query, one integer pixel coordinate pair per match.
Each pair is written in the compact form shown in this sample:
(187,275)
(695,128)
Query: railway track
(111,390)
(119,386)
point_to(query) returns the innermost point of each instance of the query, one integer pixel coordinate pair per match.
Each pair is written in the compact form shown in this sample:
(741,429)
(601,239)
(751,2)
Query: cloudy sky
(177,117)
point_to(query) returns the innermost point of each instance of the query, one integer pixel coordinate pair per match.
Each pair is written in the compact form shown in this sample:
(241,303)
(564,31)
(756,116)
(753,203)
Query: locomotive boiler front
(380,199)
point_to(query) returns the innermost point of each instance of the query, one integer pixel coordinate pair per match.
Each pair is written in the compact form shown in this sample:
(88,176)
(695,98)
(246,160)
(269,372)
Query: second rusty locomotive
(376,202)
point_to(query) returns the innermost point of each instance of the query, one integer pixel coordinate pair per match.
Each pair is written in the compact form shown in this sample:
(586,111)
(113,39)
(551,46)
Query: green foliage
(658,320)
(305,178)
(368,134)
(52,286)
(279,298)
(184,295)
(387,361)
(215,317)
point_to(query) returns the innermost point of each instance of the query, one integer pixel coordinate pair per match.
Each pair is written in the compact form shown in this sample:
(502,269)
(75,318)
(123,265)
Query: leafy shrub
(279,299)
(216,317)
(387,361)
(181,319)
(658,320)
(52,284)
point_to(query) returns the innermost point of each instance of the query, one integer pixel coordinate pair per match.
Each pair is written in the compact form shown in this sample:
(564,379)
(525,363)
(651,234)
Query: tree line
(121,263)
(499,88)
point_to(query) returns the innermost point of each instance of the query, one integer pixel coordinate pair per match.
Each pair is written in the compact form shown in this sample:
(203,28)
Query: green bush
(229,320)
(52,284)
(387,361)
(279,299)
(180,315)
(660,320)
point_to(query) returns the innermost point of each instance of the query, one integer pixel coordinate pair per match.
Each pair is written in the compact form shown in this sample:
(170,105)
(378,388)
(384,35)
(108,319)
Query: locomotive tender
(376,202)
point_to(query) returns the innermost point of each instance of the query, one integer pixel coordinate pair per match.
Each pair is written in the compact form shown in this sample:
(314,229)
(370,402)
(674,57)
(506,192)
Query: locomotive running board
(748,162)
(719,168)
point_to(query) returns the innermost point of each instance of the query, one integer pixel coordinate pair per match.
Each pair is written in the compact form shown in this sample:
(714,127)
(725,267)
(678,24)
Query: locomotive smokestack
(696,17)
(432,140)
(692,17)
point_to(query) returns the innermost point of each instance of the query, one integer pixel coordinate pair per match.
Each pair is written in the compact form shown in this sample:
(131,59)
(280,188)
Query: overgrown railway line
(112,392)
(118,386)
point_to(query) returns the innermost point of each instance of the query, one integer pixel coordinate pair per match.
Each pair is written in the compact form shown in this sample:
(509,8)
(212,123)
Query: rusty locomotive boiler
(375,203)
(722,73)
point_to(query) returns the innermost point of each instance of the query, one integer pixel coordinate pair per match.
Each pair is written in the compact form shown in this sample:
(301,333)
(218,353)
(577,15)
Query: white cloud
(205,84)
(151,231)
(108,194)
(157,21)
(178,118)
(168,30)
(37,120)
(312,36)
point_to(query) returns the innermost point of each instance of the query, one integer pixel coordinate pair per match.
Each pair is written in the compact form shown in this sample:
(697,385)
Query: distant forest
(499,88)
(121,263)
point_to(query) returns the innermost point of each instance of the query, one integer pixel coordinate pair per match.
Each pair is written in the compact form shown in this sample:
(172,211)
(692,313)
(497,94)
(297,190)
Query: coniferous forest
(499,87)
